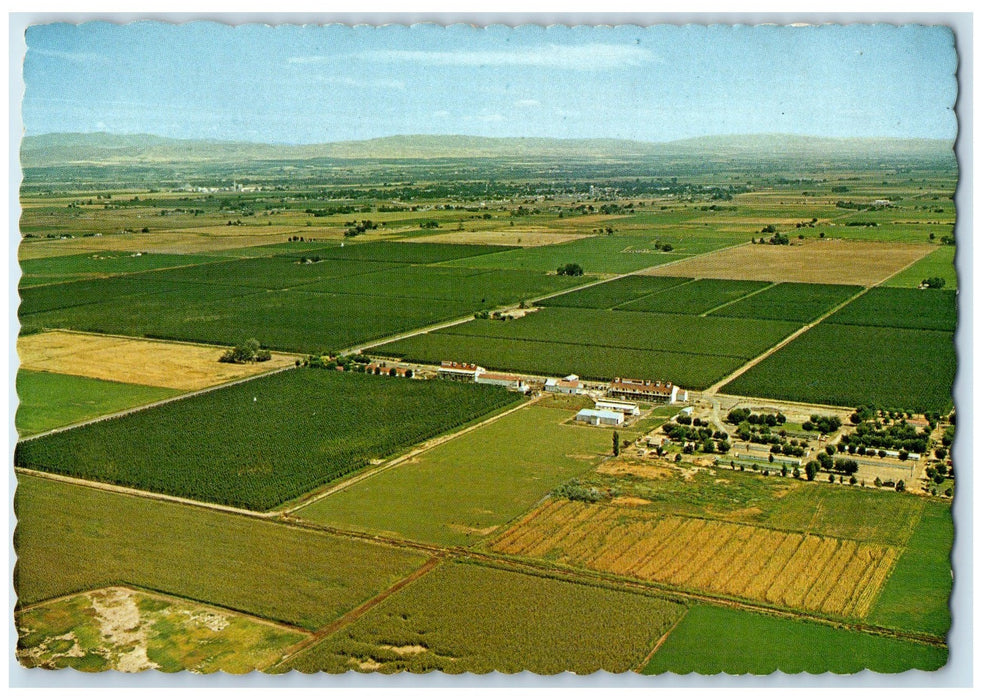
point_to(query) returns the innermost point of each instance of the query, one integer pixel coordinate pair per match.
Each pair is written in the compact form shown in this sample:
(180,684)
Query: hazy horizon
(302,85)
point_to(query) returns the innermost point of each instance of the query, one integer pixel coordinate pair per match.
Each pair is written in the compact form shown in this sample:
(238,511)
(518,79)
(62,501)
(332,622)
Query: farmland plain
(462,491)
(281,451)
(72,538)
(49,400)
(712,640)
(498,621)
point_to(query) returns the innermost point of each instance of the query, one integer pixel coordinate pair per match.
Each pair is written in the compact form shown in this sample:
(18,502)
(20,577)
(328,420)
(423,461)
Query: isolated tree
(617,444)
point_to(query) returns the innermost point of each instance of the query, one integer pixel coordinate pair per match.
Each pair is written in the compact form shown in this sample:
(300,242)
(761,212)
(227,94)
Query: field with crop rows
(614,293)
(789,301)
(294,431)
(68,268)
(560,359)
(854,366)
(463,617)
(712,640)
(696,297)
(793,570)
(407,253)
(71,538)
(923,309)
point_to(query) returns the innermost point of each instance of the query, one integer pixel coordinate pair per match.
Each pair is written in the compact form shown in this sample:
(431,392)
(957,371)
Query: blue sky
(313,84)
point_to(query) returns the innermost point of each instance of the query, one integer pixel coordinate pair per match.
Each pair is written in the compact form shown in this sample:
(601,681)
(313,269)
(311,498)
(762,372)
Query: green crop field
(294,431)
(477,288)
(114,289)
(467,618)
(416,253)
(790,301)
(70,538)
(600,330)
(619,291)
(696,297)
(915,596)
(937,263)
(269,272)
(853,366)
(71,267)
(923,309)
(292,320)
(600,254)
(712,640)
(49,400)
(556,358)
(461,491)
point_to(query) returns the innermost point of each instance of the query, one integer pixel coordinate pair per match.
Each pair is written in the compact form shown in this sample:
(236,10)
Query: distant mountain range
(100,148)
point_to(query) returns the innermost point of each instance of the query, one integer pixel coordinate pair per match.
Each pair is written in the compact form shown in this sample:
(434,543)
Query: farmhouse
(646,389)
(594,417)
(382,368)
(460,371)
(510,381)
(569,384)
(625,407)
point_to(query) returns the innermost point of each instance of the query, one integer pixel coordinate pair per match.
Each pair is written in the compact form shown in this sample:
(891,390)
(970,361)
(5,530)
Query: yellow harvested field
(787,569)
(817,261)
(197,240)
(523,238)
(135,361)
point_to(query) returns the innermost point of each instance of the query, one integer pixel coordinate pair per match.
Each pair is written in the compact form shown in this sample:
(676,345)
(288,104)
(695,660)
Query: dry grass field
(814,261)
(132,361)
(197,240)
(525,238)
(800,571)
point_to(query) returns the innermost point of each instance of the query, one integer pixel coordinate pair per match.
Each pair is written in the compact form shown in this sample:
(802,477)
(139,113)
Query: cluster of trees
(706,438)
(664,247)
(570,270)
(740,415)
(791,448)
(807,224)
(432,223)
(339,209)
(862,223)
(356,228)
(308,260)
(823,424)
(933,282)
(576,491)
(246,351)
(874,435)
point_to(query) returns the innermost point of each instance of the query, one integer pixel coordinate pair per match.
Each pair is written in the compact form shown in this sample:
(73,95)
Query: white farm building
(569,384)
(625,407)
(595,417)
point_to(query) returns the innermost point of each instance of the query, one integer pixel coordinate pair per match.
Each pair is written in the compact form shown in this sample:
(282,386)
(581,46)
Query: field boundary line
(155,404)
(691,257)
(310,499)
(661,640)
(354,614)
(904,268)
(734,301)
(712,390)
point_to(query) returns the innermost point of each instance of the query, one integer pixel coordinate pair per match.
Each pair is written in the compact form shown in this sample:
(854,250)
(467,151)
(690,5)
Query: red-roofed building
(461,371)
(646,390)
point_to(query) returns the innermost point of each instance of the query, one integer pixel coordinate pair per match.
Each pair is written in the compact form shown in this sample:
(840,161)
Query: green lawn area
(937,263)
(49,400)
(712,640)
(460,492)
(462,617)
(915,597)
(72,538)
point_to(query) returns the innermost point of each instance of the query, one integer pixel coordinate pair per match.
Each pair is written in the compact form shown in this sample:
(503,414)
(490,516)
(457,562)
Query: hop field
(788,569)
(292,432)
(466,618)
(846,365)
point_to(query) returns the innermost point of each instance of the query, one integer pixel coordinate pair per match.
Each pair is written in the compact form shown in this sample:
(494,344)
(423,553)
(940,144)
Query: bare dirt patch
(816,261)
(630,501)
(645,471)
(134,361)
(406,649)
(524,238)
